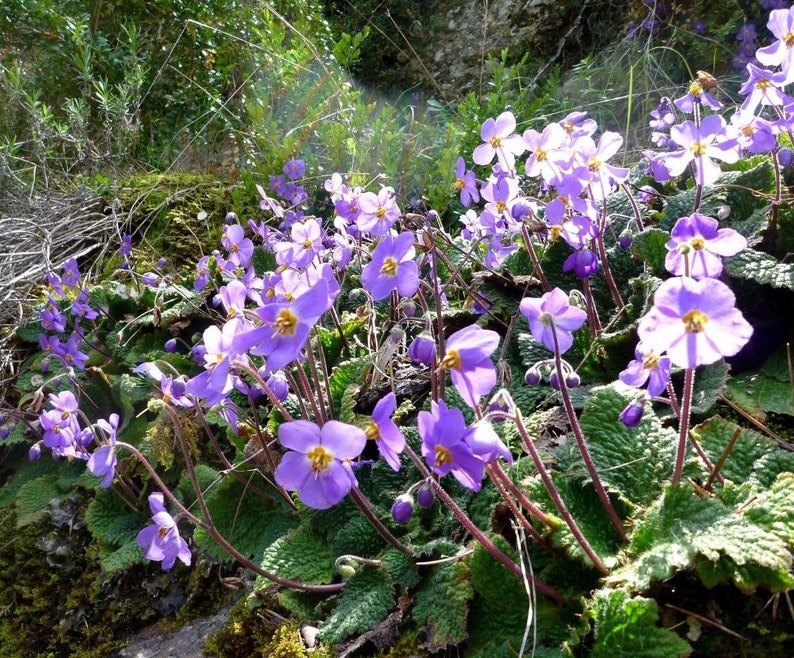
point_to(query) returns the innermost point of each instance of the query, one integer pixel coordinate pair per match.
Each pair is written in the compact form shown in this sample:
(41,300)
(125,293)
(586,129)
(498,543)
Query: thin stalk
(517,513)
(534,257)
(556,498)
(496,472)
(579,435)
(365,506)
(683,428)
(723,458)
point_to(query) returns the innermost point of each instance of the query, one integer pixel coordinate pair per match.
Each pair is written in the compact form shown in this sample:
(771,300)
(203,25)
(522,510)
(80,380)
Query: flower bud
(403,508)
(161,263)
(277,383)
(35,452)
(785,157)
(346,570)
(230,218)
(45,365)
(554,381)
(149,279)
(724,212)
(532,377)
(178,387)
(425,495)
(423,349)
(4,432)
(632,414)
(572,380)
(625,240)
(170,345)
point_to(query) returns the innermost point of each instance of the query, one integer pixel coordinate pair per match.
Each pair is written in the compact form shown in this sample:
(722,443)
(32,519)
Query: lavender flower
(317,464)
(647,366)
(392,267)
(102,462)
(466,184)
(468,359)
(161,540)
(552,314)
(500,140)
(695,322)
(384,431)
(696,246)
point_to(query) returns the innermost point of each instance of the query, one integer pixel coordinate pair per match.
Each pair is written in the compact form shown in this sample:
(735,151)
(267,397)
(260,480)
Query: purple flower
(696,96)
(71,275)
(583,262)
(468,359)
(384,431)
(392,266)
(549,155)
(781,52)
(102,462)
(126,245)
(500,140)
(161,541)
(695,322)
(599,175)
(647,366)
(443,446)
(425,495)
(317,464)
(696,247)
(700,144)
(378,212)
(295,169)
(240,248)
(285,327)
(763,87)
(550,315)
(632,414)
(466,184)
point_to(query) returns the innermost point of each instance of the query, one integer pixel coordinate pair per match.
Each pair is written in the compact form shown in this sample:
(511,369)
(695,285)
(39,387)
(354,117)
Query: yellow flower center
(501,206)
(788,39)
(459,184)
(698,148)
(380,213)
(568,127)
(372,431)
(650,361)
(594,164)
(443,456)
(451,360)
(540,155)
(320,459)
(554,232)
(496,142)
(695,89)
(697,243)
(286,322)
(695,321)
(307,244)
(389,267)
(762,84)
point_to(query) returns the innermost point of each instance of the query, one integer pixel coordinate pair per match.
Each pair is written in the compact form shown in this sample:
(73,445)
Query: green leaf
(631,462)
(301,554)
(365,602)
(402,568)
(34,497)
(765,390)
(684,531)
(111,521)
(710,382)
(443,603)
(649,247)
(761,268)
(626,626)
(243,518)
(123,557)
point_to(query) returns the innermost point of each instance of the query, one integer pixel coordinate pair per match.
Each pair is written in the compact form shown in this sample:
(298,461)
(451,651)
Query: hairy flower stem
(613,287)
(517,513)
(634,206)
(467,523)
(365,506)
(498,475)
(683,423)
(579,435)
(487,544)
(593,320)
(207,525)
(529,444)
(534,257)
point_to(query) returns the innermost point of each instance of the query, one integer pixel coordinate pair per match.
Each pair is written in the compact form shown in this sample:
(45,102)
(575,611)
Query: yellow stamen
(286,323)
(496,142)
(698,148)
(389,267)
(697,243)
(320,459)
(372,431)
(695,321)
(443,456)
(451,360)
(650,361)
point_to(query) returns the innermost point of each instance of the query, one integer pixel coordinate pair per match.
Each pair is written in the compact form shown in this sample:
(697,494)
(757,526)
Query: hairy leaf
(626,626)
(761,268)
(442,604)
(111,521)
(366,600)
(649,247)
(301,554)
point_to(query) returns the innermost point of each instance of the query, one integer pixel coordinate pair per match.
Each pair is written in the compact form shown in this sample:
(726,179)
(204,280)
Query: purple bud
(425,495)
(198,353)
(149,279)
(125,265)
(45,365)
(572,380)
(554,380)
(408,307)
(35,452)
(403,508)
(277,383)
(230,218)
(625,240)
(423,349)
(170,345)
(520,209)
(785,157)
(4,432)
(632,414)
(178,388)
(532,377)
(162,262)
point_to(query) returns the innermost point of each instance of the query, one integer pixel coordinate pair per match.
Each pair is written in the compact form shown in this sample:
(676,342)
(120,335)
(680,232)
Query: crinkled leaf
(365,601)
(117,558)
(442,604)
(761,268)
(649,247)
(710,382)
(243,518)
(402,568)
(685,531)
(631,462)
(301,554)
(765,390)
(35,495)
(626,626)
(111,520)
